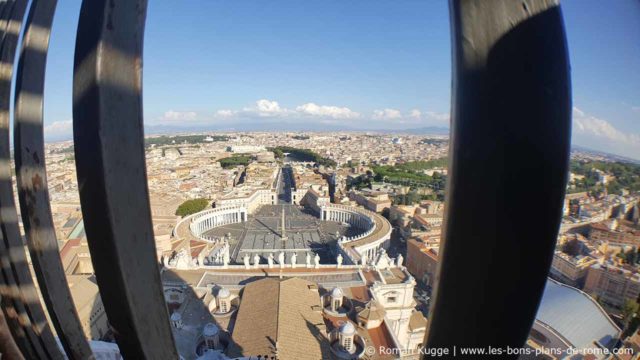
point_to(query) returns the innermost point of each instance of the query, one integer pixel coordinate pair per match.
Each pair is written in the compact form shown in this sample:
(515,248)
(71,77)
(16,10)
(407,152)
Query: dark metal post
(110,160)
(8,346)
(509,157)
(32,181)
(20,301)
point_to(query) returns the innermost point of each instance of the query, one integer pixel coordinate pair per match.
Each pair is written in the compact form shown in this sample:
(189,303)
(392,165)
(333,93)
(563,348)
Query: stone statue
(246,261)
(281,259)
(316,260)
(270,260)
(400,260)
(308,260)
(294,260)
(225,259)
(182,260)
(339,260)
(256,260)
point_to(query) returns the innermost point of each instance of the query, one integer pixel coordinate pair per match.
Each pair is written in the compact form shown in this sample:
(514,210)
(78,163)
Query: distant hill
(608,156)
(286,126)
(429,130)
(248,127)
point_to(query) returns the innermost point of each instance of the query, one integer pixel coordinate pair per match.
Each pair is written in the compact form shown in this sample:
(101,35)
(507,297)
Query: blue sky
(362,64)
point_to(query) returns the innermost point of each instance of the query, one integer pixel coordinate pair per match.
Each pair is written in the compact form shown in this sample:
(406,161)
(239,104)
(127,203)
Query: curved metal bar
(20,297)
(12,308)
(32,181)
(110,162)
(8,347)
(4,10)
(511,130)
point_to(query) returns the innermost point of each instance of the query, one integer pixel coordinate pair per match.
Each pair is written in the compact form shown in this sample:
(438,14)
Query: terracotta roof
(417,321)
(380,337)
(70,244)
(600,226)
(373,311)
(275,312)
(300,329)
(406,209)
(371,276)
(197,248)
(393,275)
(360,293)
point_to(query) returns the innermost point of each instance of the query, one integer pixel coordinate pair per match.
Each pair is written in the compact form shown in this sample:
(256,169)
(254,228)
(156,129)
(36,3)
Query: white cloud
(179,115)
(272,109)
(265,108)
(591,128)
(59,130)
(415,113)
(443,117)
(225,113)
(333,112)
(592,125)
(265,105)
(577,112)
(386,114)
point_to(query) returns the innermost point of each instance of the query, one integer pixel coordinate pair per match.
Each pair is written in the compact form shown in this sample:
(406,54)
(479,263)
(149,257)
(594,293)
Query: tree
(571,247)
(412,198)
(234,160)
(191,207)
(632,326)
(631,256)
(629,309)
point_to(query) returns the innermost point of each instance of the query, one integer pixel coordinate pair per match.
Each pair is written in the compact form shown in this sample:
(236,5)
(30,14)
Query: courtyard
(261,234)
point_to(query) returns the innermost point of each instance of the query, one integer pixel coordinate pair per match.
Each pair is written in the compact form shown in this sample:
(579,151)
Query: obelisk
(283,236)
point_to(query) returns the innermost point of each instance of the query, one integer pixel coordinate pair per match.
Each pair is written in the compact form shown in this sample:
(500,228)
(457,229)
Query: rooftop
(575,316)
(278,313)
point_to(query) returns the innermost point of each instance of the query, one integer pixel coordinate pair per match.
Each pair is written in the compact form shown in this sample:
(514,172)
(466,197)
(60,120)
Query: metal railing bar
(20,299)
(13,309)
(110,162)
(8,347)
(5,8)
(511,114)
(32,181)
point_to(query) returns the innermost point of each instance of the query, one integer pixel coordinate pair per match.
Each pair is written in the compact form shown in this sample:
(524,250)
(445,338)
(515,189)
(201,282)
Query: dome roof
(176,316)
(210,330)
(347,328)
(224,293)
(337,292)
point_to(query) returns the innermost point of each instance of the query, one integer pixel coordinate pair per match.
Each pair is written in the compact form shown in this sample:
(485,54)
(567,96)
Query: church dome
(347,328)
(176,316)
(337,293)
(210,330)
(224,293)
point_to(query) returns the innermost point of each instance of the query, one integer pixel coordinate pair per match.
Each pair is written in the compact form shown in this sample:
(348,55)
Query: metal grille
(511,106)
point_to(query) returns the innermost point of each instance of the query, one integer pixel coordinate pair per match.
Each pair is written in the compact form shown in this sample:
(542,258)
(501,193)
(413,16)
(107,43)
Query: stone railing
(376,236)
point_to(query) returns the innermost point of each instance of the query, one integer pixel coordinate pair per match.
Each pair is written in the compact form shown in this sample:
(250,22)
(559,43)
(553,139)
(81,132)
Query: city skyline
(287,187)
(332,66)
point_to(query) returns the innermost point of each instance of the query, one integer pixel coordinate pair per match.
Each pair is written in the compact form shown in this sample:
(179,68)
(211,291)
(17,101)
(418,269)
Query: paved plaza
(261,235)
(345,278)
